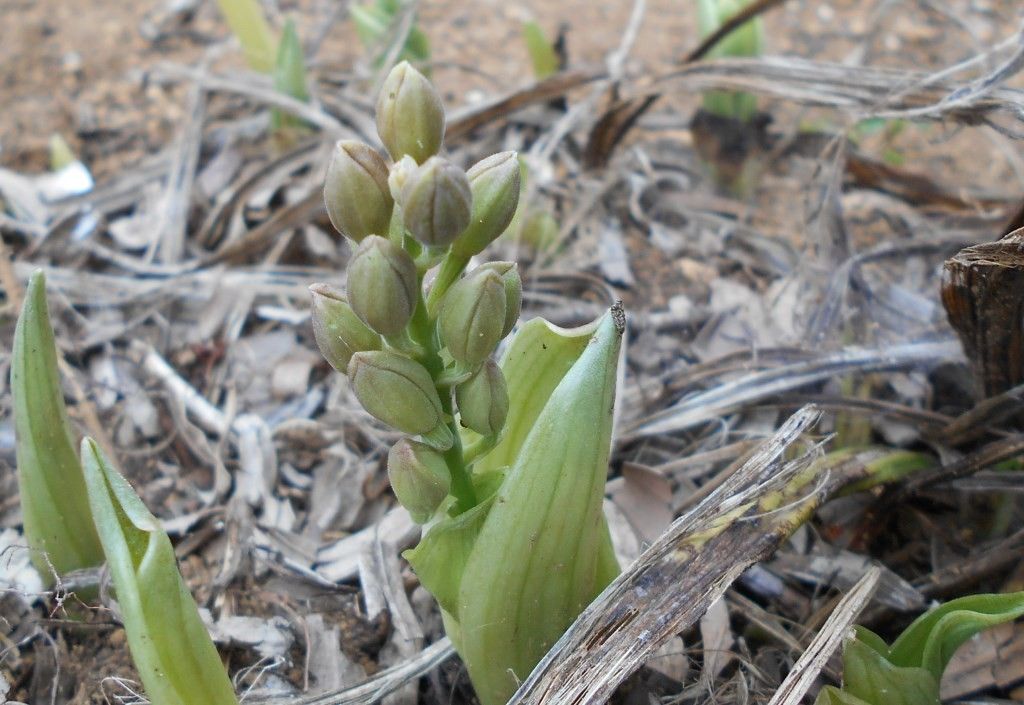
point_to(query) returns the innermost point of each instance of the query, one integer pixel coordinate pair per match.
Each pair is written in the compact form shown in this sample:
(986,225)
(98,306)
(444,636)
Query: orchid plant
(503,463)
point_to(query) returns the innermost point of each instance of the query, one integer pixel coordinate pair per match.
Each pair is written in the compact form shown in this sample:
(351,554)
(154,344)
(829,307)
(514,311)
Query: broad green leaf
(535,563)
(538,357)
(932,639)
(440,557)
(830,695)
(870,676)
(172,651)
(54,506)
(869,638)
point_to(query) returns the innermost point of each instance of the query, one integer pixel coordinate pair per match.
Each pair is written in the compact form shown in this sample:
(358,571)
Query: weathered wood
(983,292)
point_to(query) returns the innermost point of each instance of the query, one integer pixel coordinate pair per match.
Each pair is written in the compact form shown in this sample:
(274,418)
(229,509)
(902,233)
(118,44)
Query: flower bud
(483,400)
(436,202)
(509,273)
(338,331)
(400,173)
(396,390)
(356,191)
(419,476)
(382,285)
(472,317)
(410,117)
(494,182)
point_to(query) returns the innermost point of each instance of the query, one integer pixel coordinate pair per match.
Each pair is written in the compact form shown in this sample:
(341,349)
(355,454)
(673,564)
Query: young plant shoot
(55,509)
(507,462)
(909,671)
(172,651)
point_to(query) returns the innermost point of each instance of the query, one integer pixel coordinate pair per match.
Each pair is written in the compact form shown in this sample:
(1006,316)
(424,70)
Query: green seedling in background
(250,26)
(61,154)
(281,58)
(289,77)
(890,131)
(542,54)
(377,23)
(55,509)
(746,40)
(504,465)
(531,226)
(172,651)
(909,671)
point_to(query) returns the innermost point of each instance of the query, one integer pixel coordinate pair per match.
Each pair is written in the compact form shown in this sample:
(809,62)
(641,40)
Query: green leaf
(440,557)
(831,695)
(249,25)
(289,75)
(869,676)
(535,564)
(542,53)
(932,639)
(172,651)
(55,509)
(539,355)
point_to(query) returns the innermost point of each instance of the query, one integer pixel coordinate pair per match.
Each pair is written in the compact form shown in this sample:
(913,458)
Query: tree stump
(983,292)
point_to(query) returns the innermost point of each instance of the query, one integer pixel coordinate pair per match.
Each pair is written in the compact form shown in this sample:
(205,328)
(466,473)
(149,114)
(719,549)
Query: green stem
(479,447)
(421,329)
(462,483)
(451,268)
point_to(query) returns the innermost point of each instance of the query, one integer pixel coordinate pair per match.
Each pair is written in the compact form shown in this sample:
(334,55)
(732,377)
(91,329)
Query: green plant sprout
(289,77)
(172,651)
(264,52)
(909,671)
(375,24)
(250,26)
(506,463)
(55,510)
(78,514)
(745,41)
(543,56)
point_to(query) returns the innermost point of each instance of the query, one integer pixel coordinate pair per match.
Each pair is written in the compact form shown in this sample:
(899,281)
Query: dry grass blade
(676,579)
(732,395)
(828,639)
(379,686)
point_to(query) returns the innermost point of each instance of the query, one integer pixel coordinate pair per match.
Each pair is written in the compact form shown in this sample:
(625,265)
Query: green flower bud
(419,477)
(410,117)
(396,390)
(382,285)
(400,173)
(495,185)
(356,192)
(338,331)
(436,202)
(483,400)
(509,273)
(473,316)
